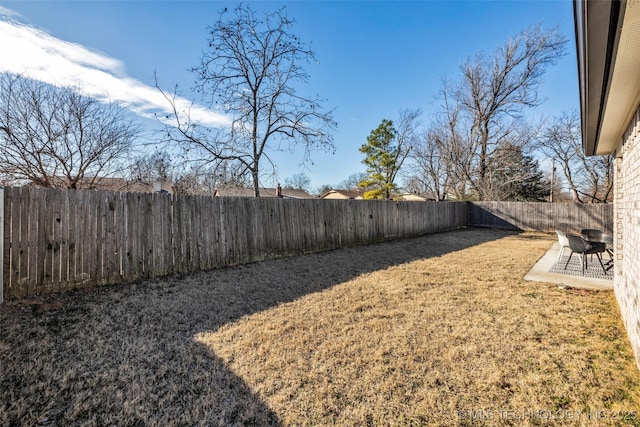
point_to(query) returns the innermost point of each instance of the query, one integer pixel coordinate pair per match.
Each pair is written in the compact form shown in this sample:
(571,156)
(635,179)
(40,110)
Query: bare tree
(562,140)
(325,188)
(55,137)
(481,115)
(193,181)
(407,133)
(157,166)
(495,91)
(441,163)
(251,71)
(351,183)
(205,180)
(429,174)
(600,183)
(298,181)
(590,179)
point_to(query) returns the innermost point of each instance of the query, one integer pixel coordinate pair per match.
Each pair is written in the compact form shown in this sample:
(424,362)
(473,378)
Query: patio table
(597,236)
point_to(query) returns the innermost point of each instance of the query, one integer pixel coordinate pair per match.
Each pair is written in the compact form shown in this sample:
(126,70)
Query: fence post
(1,244)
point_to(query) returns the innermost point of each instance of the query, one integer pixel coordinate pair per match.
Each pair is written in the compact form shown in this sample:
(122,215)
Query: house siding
(627,232)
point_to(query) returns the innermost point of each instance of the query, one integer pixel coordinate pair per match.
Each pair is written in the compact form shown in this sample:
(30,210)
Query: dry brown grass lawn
(435,330)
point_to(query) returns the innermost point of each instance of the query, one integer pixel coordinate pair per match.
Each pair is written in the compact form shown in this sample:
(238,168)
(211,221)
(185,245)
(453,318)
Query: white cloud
(9,13)
(37,54)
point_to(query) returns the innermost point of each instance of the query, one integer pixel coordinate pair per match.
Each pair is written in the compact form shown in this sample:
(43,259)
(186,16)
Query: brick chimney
(279,191)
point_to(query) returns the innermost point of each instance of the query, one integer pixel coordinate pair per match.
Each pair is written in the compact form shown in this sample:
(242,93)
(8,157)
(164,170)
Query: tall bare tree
(590,179)
(494,91)
(55,137)
(251,71)
(407,132)
(442,161)
(481,115)
(428,172)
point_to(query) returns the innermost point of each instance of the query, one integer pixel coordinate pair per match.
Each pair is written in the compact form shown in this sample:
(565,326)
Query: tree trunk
(256,181)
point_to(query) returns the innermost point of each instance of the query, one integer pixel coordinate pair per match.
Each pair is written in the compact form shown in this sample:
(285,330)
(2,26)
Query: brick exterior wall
(627,232)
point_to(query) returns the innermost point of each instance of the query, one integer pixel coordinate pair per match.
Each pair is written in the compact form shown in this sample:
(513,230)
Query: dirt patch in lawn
(436,330)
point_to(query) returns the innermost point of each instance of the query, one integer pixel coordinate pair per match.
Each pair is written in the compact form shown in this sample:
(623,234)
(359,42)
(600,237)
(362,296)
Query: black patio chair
(579,245)
(592,235)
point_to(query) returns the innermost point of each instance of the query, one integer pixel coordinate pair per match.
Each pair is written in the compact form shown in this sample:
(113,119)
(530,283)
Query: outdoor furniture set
(589,242)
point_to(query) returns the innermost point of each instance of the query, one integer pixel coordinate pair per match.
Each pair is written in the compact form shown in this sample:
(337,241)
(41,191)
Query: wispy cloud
(4,12)
(36,54)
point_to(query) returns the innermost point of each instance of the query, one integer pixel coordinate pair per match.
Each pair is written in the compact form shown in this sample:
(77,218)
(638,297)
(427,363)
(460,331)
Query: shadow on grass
(126,354)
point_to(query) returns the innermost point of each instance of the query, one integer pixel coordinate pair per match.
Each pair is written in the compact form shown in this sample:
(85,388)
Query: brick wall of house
(627,232)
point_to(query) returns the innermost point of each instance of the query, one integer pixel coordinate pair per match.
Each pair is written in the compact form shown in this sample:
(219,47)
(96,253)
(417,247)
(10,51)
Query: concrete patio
(541,272)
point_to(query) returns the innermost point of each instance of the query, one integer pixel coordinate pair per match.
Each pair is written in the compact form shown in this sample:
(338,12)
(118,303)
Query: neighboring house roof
(116,184)
(294,193)
(412,197)
(287,193)
(233,192)
(150,187)
(608,48)
(102,184)
(344,194)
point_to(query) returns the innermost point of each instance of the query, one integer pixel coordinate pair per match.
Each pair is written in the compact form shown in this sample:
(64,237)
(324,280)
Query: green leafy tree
(515,176)
(383,159)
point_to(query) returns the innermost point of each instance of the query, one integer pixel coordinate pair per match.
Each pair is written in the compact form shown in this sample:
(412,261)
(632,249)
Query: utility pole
(553,178)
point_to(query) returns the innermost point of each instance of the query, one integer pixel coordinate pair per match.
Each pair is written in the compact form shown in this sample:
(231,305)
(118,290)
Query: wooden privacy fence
(56,240)
(547,217)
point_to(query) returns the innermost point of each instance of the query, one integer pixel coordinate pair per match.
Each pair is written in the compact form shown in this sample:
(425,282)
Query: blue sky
(375,57)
